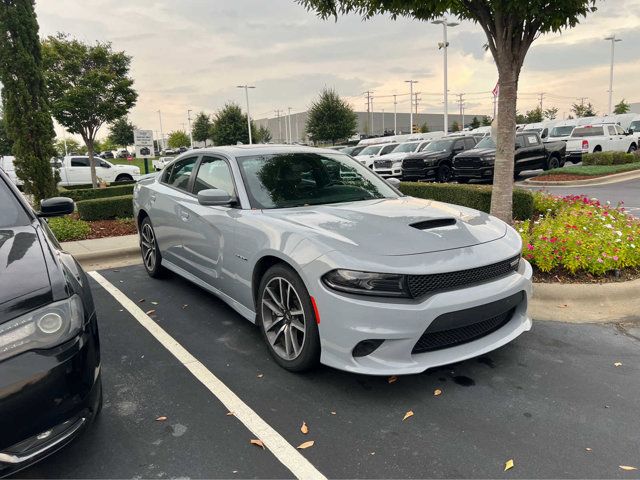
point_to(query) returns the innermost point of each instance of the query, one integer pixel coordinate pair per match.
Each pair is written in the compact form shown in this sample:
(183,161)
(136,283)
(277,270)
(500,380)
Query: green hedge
(106,208)
(472,196)
(66,228)
(91,193)
(89,185)
(609,158)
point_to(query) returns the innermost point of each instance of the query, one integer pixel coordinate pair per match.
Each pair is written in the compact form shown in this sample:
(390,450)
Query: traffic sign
(143,141)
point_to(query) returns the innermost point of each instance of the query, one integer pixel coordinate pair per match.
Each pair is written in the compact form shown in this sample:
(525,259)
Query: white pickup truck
(6,164)
(604,137)
(74,170)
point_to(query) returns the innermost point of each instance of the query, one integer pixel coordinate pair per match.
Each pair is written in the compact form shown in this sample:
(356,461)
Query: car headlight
(367,283)
(45,327)
(397,164)
(491,159)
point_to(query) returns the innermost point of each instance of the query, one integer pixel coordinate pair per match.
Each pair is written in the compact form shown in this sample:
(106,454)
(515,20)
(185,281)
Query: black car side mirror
(56,207)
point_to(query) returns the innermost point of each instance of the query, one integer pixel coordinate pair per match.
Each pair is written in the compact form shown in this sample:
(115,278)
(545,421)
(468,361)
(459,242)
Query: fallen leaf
(260,375)
(437,392)
(154,303)
(150,312)
(372,453)
(304,429)
(333,413)
(257,442)
(563,306)
(392,379)
(407,415)
(617,364)
(627,468)
(230,414)
(141,300)
(588,449)
(508,465)
(304,445)
(161,419)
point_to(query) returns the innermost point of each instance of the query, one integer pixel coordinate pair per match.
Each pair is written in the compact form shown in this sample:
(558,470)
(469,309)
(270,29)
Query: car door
(104,170)
(78,171)
(168,214)
(623,139)
(209,230)
(536,154)
(521,154)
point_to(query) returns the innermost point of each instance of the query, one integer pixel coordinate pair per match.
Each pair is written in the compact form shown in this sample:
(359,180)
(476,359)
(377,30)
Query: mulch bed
(562,177)
(111,228)
(566,277)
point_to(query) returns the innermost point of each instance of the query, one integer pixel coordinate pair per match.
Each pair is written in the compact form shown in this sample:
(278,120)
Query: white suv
(390,165)
(604,137)
(369,154)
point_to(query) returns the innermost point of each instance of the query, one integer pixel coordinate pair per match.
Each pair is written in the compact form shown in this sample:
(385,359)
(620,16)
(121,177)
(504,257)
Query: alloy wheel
(148,246)
(283,318)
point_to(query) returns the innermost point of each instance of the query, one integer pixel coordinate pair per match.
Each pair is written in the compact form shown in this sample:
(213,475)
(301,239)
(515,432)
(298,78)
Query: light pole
(395,115)
(161,133)
(190,129)
(383,121)
(445,45)
(613,41)
(289,121)
(279,126)
(246,93)
(410,82)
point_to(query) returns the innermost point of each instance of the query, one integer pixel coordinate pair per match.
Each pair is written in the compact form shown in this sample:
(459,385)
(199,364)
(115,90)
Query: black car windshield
(439,146)
(486,142)
(12,213)
(561,131)
(406,147)
(298,179)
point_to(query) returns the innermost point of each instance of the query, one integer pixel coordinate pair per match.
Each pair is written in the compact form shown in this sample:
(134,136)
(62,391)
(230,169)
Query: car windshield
(439,146)
(635,125)
(299,179)
(406,147)
(561,131)
(12,213)
(486,142)
(588,132)
(372,150)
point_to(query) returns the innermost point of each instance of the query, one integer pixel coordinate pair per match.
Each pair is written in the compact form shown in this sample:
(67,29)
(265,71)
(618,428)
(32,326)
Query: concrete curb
(104,255)
(615,178)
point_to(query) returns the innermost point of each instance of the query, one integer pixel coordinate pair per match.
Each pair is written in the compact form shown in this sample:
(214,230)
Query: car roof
(259,149)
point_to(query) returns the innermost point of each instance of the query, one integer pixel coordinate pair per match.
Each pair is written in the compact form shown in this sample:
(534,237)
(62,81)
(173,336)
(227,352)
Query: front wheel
(553,162)
(632,148)
(124,178)
(151,257)
(287,319)
(445,174)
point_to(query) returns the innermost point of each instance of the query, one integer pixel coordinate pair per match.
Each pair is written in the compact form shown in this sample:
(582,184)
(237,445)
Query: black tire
(552,162)
(463,180)
(308,355)
(597,149)
(152,261)
(124,178)
(632,148)
(445,173)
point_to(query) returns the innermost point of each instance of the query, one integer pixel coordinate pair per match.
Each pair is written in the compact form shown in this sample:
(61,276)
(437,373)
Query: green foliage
(72,147)
(532,116)
(622,107)
(201,129)
(424,128)
(551,113)
(178,138)
(91,193)
(230,126)
(578,235)
(121,132)
(26,113)
(609,158)
(331,118)
(475,123)
(88,86)
(455,126)
(6,144)
(582,110)
(472,196)
(106,208)
(67,229)
(486,121)
(263,135)
(108,145)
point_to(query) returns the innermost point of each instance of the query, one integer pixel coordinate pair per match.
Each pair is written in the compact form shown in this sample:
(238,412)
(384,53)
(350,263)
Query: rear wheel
(632,148)
(552,162)
(287,319)
(597,149)
(151,258)
(124,178)
(445,173)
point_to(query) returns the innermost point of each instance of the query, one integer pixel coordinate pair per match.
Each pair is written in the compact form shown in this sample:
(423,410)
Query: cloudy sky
(191,54)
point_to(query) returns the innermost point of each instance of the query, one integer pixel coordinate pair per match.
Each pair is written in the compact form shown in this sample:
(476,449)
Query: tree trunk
(92,163)
(502,196)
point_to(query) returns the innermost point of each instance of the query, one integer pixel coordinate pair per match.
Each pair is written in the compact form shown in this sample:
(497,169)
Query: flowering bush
(579,234)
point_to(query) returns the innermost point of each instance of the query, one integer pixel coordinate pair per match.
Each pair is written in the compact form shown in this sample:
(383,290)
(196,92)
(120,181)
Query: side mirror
(56,207)
(394,182)
(214,196)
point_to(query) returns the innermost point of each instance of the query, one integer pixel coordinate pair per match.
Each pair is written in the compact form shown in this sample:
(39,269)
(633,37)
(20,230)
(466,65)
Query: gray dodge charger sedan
(331,262)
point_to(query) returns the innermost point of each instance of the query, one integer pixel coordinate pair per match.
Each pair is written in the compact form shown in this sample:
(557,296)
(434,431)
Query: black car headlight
(367,283)
(45,327)
(489,160)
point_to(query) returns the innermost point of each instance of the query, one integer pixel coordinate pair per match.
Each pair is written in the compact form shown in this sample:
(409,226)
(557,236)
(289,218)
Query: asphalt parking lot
(542,401)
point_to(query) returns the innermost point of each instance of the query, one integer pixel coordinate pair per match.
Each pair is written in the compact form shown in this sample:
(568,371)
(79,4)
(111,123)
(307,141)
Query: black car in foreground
(434,162)
(530,154)
(50,382)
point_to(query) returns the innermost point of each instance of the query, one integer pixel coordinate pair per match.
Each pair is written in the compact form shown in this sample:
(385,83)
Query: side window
(181,173)
(79,162)
(387,149)
(458,145)
(104,164)
(620,130)
(612,130)
(532,141)
(214,173)
(519,141)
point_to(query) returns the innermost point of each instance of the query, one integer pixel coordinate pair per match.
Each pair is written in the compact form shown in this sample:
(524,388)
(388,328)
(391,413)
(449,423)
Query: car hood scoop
(394,226)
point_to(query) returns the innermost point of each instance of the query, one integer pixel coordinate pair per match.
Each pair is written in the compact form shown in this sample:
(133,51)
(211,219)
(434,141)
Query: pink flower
(530,247)
(600,260)
(615,258)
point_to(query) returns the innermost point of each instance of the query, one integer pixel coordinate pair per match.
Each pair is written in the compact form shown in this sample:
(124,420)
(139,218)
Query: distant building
(634,108)
(381,122)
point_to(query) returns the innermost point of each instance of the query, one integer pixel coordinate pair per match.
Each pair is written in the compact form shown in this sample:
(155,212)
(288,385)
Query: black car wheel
(552,162)
(124,178)
(151,258)
(287,319)
(445,174)
(632,149)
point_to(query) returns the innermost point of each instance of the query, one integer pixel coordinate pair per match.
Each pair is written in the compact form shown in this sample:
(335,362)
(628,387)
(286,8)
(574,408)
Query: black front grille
(412,163)
(468,162)
(420,285)
(431,341)
(382,163)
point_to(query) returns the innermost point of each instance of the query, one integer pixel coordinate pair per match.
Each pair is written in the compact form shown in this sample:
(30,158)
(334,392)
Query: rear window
(12,213)
(587,132)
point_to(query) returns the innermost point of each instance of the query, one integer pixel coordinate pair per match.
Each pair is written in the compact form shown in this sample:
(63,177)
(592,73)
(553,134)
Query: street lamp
(444,46)
(410,82)
(246,93)
(162,146)
(613,41)
(190,129)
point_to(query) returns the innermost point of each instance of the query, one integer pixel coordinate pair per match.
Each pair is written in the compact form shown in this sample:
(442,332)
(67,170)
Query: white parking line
(281,449)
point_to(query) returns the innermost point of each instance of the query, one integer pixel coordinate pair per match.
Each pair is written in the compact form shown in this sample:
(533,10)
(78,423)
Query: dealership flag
(496,90)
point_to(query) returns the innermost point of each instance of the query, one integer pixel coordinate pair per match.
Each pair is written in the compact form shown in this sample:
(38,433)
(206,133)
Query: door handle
(152,198)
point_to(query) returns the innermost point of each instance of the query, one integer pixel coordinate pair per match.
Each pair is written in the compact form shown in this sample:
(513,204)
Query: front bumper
(426,173)
(47,398)
(389,172)
(478,173)
(347,320)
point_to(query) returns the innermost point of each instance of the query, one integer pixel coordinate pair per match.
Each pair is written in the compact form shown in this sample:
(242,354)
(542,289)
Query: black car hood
(24,278)
(429,155)
(477,152)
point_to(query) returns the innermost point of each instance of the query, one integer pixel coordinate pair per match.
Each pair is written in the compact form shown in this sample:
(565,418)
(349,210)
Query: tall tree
(455,126)
(177,139)
(201,129)
(475,123)
(88,85)
(551,113)
(535,115)
(486,121)
(511,26)
(263,135)
(230,126)
(27,117)
(6,144)
(582,110)
(121,132)
(330,118)
(622,107)
(424,128)
(72,147)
